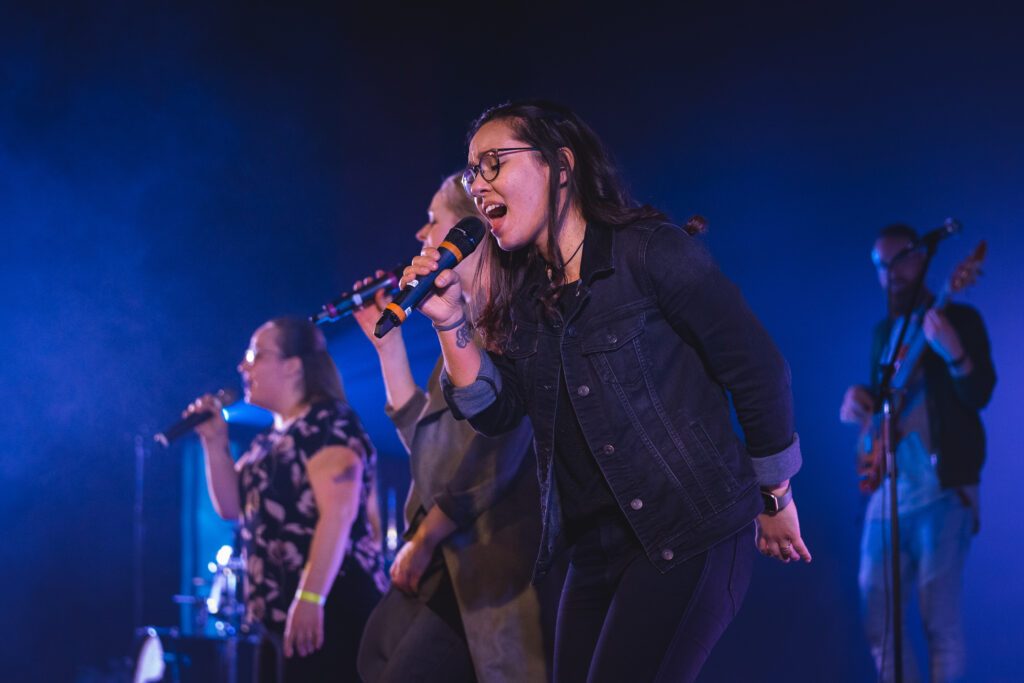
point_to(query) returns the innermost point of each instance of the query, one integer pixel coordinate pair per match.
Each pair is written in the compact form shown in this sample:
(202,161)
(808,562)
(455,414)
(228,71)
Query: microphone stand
(886,394)
(138,531)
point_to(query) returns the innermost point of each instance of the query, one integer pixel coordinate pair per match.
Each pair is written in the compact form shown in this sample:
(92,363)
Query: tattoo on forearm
(464,336)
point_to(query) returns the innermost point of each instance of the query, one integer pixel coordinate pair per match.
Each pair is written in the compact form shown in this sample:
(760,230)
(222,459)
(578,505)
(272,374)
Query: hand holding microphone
(368,313)
(432,272)
(348,303)
(204,415)
(447,303)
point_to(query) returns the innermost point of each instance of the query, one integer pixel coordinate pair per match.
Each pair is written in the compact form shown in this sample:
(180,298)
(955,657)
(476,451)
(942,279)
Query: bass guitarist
(940,449)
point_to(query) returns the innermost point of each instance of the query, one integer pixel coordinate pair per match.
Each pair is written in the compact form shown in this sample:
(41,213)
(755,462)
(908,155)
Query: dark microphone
(951,226)
(930,239)
(458,244)
(187,424)
(347,302)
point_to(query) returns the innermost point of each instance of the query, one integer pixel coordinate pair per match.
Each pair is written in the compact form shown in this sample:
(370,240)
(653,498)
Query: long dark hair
(592,184)
(299,338)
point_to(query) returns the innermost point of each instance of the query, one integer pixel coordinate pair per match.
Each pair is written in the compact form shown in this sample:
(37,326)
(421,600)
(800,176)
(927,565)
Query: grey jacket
(489,488)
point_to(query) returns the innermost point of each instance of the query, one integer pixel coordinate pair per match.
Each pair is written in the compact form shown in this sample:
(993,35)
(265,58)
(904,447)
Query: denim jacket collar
(598,247)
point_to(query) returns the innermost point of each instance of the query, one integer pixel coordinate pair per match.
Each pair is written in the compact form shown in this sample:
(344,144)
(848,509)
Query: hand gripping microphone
(347,302)
(187,424)
(458,244)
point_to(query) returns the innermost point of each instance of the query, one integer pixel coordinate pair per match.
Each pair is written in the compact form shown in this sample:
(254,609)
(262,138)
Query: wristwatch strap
(774,504)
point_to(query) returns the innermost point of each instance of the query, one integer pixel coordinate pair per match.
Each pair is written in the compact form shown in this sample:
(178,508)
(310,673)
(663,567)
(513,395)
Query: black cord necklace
(574,253)
(569,260)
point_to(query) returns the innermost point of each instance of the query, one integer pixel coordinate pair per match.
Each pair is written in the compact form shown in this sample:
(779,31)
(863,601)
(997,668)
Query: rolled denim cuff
(473,399)
(772,469)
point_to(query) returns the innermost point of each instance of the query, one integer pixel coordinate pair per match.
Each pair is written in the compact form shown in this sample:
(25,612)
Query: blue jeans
(933,548)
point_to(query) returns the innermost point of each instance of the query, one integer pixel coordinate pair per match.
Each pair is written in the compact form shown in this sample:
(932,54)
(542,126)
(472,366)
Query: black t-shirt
(586,499)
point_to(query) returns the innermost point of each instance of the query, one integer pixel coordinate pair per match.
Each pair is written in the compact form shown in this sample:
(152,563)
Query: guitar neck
(965,274)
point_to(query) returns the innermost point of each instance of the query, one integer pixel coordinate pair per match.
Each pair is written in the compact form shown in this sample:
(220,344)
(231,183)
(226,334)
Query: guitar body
(870,457)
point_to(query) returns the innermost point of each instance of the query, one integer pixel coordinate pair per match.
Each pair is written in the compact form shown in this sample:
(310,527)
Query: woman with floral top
(303,493)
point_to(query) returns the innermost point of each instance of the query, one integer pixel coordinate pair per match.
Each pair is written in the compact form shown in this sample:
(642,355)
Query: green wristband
(310,596)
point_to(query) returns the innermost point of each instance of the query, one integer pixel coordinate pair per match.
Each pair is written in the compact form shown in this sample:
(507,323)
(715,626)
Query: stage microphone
(458,244)
(187,424)
(347,302)
(930,239)
(951,226)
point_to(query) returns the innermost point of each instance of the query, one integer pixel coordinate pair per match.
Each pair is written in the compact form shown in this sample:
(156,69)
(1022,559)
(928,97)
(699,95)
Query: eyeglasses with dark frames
(490,164)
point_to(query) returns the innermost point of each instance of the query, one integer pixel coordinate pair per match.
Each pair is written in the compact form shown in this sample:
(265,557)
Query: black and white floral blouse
(279,513)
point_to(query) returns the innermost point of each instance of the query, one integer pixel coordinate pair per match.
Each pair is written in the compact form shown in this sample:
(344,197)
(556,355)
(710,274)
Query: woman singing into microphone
(620,339)
(314,568)
(462,607)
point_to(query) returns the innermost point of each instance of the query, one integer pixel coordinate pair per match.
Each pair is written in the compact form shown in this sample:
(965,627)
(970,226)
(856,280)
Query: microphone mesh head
(466,234)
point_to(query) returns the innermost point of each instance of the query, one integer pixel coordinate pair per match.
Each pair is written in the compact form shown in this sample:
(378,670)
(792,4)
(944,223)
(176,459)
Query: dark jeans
(620,619)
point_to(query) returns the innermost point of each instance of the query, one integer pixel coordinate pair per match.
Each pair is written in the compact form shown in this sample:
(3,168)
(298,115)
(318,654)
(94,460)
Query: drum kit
(217,646)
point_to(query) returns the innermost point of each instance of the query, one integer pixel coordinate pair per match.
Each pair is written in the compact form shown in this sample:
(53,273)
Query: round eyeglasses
(490,164)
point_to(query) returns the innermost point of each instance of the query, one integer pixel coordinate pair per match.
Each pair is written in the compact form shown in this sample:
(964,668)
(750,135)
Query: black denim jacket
(657,343)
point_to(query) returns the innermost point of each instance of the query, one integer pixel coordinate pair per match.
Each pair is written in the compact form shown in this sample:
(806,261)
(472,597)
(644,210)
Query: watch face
(771,503)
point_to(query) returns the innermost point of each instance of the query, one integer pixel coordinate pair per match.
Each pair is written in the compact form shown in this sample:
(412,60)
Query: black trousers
(352,598)
(620,619)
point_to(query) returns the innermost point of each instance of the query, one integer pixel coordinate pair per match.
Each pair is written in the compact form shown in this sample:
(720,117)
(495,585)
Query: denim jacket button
(612,338)
(547,387)
(583,390)
(608,449)
(571,330)
(667,555)
(636,504)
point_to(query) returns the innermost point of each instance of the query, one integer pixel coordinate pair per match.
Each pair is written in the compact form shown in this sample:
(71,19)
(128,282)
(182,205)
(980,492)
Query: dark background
(171,177)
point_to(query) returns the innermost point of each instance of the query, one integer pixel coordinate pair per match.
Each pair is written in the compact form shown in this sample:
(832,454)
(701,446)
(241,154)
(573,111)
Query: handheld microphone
(187,424)
(458,244)
(347,302)
(949,227)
